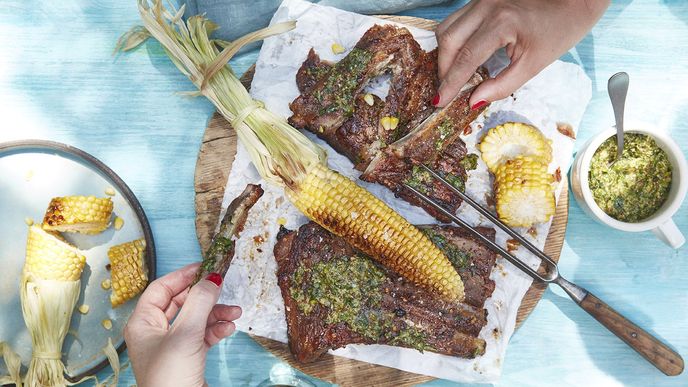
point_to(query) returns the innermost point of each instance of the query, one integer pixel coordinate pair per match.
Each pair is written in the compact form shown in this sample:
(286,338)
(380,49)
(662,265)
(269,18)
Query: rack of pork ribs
(333,105)
(334,295)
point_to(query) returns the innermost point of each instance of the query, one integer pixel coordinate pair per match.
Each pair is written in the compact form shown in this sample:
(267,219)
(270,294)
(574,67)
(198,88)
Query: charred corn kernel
(281,221)
(512,139)
(49,258)
(331,200)
(337,48)
(368,98)
(109,191)
(128,271)
(28,221)
(389,123)
(83,214)
(83,309)
(524,192)
(107,324)
(119,222)
(106,284)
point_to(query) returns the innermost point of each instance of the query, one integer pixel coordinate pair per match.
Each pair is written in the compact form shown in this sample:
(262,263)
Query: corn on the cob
(524,192)
(507,141)
(50,286)
(83,214)
(346,209)
(128,271)
(48,257)
(286,157)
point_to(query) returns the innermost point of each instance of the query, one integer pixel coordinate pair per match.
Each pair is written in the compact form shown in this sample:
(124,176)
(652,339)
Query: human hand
(174,355)
(534,33)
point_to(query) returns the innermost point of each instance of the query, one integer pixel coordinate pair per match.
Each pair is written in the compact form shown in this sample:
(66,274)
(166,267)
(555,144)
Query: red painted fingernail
(436,99)
(215,278)
(479,104)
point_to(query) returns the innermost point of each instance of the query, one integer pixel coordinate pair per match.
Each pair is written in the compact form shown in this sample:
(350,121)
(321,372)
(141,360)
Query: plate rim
(128,194)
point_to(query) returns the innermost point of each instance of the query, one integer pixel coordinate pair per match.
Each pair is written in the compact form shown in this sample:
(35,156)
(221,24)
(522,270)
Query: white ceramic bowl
(660,223)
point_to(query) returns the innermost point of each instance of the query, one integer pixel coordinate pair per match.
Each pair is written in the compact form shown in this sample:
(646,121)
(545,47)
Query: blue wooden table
(60,81)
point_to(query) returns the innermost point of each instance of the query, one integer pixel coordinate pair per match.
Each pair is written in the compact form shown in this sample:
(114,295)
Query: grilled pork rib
(332,106)
(436,143)
(221,251)
(334,296)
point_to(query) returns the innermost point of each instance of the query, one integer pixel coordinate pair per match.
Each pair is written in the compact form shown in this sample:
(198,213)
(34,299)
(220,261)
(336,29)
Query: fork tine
(483,211)
(508,256)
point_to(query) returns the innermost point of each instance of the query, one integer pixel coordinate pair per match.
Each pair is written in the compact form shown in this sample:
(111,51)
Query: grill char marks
(447,328)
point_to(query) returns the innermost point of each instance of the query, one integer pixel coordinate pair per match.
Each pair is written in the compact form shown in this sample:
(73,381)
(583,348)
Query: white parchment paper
(559,93)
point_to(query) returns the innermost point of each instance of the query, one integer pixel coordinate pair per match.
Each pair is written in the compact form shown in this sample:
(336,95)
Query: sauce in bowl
(634,187)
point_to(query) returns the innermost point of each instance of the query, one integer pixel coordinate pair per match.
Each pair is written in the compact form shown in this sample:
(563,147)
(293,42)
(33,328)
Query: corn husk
(47,306)
(13,365)
(281,154)
(49,289)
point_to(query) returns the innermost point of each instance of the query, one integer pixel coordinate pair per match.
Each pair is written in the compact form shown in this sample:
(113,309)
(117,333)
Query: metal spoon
(617,86)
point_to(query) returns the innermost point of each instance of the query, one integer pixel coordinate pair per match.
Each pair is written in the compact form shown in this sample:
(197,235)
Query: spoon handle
(617,86)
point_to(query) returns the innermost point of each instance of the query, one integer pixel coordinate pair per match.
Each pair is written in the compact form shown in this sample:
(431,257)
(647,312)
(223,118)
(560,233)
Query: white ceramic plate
(31,173)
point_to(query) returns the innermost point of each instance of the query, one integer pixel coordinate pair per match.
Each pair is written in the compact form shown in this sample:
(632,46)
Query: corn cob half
(50,287)
(49,257)
(342,207)
(507,141)
(128,271)
(524,192)
(82,214)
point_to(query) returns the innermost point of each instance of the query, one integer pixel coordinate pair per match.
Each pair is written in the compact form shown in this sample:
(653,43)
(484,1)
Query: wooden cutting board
(212,170)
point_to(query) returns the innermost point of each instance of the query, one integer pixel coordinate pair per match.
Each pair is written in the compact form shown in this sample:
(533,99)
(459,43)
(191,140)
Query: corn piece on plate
(32,172)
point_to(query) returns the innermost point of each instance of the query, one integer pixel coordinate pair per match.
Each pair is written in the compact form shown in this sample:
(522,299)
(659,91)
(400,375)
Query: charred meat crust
(221,252)
(324,87)
(448,328)
(423,135)
(436,143)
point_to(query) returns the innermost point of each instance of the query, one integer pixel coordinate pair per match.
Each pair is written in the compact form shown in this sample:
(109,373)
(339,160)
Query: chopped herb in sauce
(220,246)
(469,162)
(350,288)
(457,181)
(457,257)
(342,82)
(420,179)
(634,187)
(445,129)
(318,72)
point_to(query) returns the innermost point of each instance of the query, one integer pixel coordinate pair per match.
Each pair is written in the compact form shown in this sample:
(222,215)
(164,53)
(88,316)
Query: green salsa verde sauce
(634,187)
(350,289)
(343,81)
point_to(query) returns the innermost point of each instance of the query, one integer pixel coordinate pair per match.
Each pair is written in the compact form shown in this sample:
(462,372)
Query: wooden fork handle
(648,346)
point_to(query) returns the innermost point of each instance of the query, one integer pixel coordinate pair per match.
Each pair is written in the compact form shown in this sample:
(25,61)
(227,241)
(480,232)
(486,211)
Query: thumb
(504,84)
(199,303)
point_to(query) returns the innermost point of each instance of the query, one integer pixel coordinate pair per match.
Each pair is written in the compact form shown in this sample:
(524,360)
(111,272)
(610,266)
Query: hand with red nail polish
(534,33)
(164,352)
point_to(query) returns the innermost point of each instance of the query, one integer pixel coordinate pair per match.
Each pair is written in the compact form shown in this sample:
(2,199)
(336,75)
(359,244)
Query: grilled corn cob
(524,192)
(83,214)
(50,286)
(285,157)
(512,139)
(347,210)
(128,271)
(49,257)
